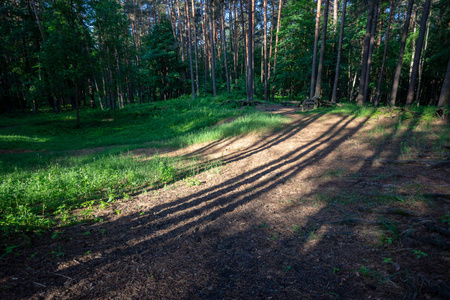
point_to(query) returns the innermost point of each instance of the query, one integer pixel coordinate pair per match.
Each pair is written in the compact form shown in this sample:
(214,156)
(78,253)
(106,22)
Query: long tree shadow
(162,239)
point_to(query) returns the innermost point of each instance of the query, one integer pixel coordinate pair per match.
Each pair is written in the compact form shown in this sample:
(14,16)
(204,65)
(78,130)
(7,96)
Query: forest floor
(329,207)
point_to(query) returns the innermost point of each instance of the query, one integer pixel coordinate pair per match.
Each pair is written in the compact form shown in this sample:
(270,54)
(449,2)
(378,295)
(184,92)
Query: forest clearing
(330,205)
(236,149)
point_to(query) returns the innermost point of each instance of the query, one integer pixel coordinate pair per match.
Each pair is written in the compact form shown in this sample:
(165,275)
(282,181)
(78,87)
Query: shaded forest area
(94,53)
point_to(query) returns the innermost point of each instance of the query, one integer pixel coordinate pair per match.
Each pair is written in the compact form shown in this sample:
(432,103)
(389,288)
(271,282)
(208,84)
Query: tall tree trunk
(77,103)
(280,5)
(362,77)
(213,68)
(191,66)
(266,75)
(253,48)
(195,48)
(322,50)
(413,21)
(369,58)
(418,53)
(338,62)
(419,84)
(272,14)
(445,91)
(250,52)
(400,55)
(205,44)
(244,35)
(222,21)
(383,64)
(235,48)
(335,13)
(33,3)
(316,42)
(183,51)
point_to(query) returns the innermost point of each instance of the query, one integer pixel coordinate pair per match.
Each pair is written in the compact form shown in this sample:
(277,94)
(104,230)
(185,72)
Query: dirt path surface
(318,210)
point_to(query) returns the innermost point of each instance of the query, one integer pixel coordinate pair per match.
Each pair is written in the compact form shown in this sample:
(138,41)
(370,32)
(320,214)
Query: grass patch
(39,190)
(425,114)
(134,124)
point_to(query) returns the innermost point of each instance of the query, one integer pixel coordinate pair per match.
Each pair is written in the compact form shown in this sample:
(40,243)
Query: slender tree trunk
(335,13)
(195,48)
(369,58)
(280,5)
(213,68)
(77,103)
(191,66)
(383,64)
(266,75)
(413,21)
(400,55)
(272,14)
(322,50)
(316,42)
(250,52)
(338,62)
(235,48)
(222,21)
(362,77)
(205,44)
(419,84)
(418,52)
(244,35)
(183,50)
(253,48)
(98,93)
(445,91)
(37,19)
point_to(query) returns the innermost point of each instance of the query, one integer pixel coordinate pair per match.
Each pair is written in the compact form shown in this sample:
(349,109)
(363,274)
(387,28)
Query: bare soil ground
(327,208)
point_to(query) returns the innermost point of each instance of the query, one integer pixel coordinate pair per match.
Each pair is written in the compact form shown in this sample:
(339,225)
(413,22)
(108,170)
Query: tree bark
(322,50)
(235,48)
(276,48)
(400,55)
(205,44)
(418,52)
(191,66)
(335,14)
(272,14)
(250,52)
(244,35)
(222,21)
(419,84)
(195,49)
(338,62)
(266,75)
(383,64)
(180,30)
(445,91)
(213,68)
(369,58)
(362,77)
(316,42)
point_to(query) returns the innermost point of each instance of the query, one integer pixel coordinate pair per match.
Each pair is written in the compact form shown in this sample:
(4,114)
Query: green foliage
(419,254)
(40,189)
(161,68)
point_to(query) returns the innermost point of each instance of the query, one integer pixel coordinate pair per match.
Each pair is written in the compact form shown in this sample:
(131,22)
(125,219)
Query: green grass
(135,124)
(40,189)
(424,113)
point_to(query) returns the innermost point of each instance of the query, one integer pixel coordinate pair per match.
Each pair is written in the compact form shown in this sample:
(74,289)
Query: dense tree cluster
(107,53)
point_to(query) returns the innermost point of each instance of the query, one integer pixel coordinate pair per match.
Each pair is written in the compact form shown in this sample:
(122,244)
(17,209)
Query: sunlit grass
(39,188)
